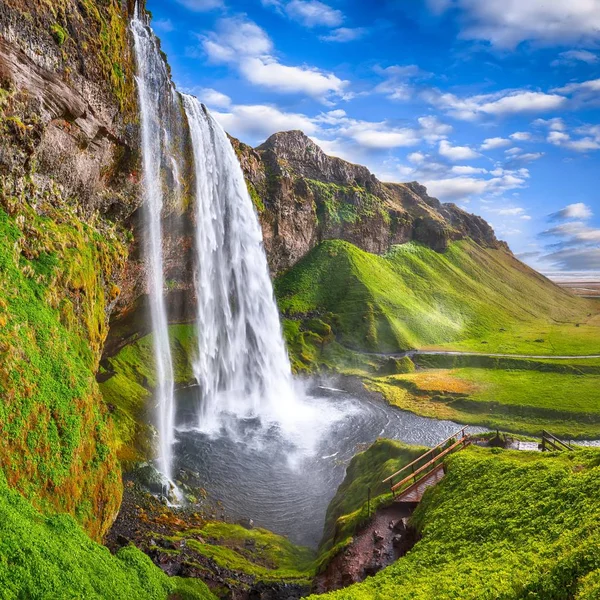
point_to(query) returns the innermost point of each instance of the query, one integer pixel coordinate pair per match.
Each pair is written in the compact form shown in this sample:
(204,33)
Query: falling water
(242,367)
(152,80)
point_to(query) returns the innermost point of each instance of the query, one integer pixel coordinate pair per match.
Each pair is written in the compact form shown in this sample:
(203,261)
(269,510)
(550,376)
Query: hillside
(415,297)
(501,524)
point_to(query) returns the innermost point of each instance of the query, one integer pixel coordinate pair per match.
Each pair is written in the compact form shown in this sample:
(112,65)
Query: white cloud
(466,170)
(201,5)
(494,143)
(506,24)
(416,157)
(254,123)
(267,72)
(398,80)
(456,187)
(433,130)
(499,104)
(213,98)
(345,34)
(520,136)
(456,153)
(572,57)
(313,13)
(242,43)
(516,211)
(560,138)
(163,25)
(380,138)
(556,124)
(579,211)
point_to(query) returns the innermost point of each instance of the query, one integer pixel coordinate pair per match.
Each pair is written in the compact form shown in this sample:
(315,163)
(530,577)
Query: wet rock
(246,523)
(377,537)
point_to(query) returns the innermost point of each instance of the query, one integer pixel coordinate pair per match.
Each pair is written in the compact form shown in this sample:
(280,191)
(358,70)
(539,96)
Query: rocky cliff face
(304,197)
(68,187)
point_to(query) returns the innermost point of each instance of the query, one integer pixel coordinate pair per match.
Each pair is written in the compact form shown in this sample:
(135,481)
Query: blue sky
(493,104)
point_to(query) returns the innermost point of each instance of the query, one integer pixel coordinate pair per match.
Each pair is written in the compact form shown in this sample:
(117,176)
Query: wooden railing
(457,441)
(552,443)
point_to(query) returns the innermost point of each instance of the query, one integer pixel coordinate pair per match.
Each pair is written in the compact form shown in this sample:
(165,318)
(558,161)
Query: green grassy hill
(501,524)
(468,297)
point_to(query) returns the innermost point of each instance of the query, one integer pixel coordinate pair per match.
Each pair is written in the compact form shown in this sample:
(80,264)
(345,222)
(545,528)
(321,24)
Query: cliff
(68,185)
(304,197)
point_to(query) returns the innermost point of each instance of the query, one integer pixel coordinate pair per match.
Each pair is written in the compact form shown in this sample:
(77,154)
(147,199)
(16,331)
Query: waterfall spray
(151,80)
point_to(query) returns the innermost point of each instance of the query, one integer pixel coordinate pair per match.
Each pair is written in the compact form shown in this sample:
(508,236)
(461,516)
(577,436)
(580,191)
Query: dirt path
(383,541)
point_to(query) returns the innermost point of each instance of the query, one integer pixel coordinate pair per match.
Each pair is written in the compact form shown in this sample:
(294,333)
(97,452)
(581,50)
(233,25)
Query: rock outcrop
(306,197)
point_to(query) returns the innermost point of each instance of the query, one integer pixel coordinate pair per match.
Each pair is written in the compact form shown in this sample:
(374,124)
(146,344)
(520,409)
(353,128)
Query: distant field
(588,289)
(519,401)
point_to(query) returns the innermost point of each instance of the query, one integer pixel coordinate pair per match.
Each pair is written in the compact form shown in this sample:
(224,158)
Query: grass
(52,558)
(265,556)
(417,298)
(501,524)
(521,401)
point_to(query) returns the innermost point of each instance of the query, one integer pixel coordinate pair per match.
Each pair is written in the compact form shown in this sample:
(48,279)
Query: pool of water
(284,482)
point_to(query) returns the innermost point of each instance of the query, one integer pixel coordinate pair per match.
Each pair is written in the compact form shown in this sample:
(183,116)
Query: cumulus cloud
(345,34)
(257,122)
(312,13)
(585,144)
(213,98)
(499,104)
(494,143)
(456,153)
(506,24)
(520,136)
(243,44)
(578,211)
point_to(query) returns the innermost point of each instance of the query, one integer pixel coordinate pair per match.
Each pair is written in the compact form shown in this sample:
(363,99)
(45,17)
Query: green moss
(51,557)
(53,274)
(59,34)
(529,529)
(131,385)
(346,203)
(255,552)
(259,205)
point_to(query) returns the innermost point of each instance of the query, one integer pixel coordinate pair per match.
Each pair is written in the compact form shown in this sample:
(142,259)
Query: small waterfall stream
(152,80)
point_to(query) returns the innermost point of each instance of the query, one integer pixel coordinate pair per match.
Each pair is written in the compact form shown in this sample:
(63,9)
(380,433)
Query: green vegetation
(133,378)
(346,203)
(522,401)
(58,440)
(468,297)
(501,524)
(59,34)
(348,509)
(259,205)
(256,552)
(51,557)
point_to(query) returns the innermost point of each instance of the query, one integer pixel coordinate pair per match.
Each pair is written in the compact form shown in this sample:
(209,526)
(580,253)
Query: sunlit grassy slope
(522,401)
(468,297)
(501,524)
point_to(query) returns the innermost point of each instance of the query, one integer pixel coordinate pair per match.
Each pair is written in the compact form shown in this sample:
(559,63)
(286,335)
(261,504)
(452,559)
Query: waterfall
(242,366)
(152,81)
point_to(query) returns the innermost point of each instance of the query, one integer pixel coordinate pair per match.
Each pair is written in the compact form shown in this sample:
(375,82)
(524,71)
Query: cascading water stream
(242,366)
(151,81)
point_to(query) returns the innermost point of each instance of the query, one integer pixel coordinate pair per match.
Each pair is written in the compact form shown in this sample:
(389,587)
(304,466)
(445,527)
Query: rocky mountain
(304,197)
